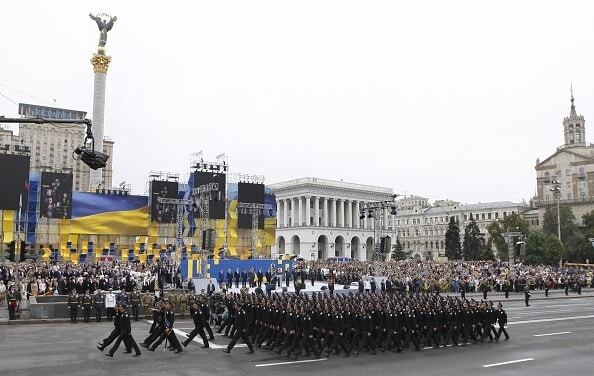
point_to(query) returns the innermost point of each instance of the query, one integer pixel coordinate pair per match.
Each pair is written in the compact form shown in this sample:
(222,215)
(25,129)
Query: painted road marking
(551,334)
(550,320)
(294,362)
(197,339)
(505,363)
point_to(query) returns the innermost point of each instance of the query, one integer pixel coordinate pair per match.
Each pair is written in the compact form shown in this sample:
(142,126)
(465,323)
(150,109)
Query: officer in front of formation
(73,301)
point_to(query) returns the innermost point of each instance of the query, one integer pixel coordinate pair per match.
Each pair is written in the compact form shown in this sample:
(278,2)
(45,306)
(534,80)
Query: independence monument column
(100,63)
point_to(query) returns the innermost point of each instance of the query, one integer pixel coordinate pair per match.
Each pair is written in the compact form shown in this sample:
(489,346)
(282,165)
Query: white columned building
(333,227)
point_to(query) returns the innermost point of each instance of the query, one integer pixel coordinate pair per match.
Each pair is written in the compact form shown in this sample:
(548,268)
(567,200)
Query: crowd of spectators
(433,276)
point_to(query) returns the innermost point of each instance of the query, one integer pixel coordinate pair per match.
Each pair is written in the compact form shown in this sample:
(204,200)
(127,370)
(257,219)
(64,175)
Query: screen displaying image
(56,195)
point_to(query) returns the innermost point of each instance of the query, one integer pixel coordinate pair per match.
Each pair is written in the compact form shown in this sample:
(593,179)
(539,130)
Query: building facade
(570,170)
(320,218)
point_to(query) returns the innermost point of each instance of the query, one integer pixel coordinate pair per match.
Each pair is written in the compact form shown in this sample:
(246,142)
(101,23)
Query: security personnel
(86,301)
(241,331)
(182,303)
(73,301)
(135,303)
(97,304)
(527,295)
(198,319)
(125,333)
(147,303)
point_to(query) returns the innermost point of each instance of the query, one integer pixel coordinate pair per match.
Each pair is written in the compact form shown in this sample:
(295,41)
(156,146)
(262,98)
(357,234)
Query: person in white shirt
(110,302)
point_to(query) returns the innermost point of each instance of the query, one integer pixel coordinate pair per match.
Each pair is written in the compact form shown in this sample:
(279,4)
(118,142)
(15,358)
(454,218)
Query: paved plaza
(551,337)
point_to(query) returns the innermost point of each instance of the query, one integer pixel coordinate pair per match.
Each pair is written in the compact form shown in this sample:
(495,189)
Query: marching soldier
(73,301)
(502,321)
(135,303)
(527,295)
(86,301)
(199,321)
(125,333)
(241,330)
(168,333)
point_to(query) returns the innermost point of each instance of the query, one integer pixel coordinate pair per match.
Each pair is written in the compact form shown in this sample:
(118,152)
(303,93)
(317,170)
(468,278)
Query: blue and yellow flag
(100,214)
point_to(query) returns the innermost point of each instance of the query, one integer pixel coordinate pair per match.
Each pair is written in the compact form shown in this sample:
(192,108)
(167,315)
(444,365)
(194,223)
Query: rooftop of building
(311,181)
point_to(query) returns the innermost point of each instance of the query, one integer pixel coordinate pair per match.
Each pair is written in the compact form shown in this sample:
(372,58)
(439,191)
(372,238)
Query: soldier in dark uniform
(98,299)
(135,299)
(12,297)
(502,321)
(168,333)
(125,333)
(114,333)
(73,302)
(205,310)
(241,332)
(86,301)
(199,321)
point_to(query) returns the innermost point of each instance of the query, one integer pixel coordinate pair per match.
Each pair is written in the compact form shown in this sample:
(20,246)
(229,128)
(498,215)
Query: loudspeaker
(209,238)
(385,244)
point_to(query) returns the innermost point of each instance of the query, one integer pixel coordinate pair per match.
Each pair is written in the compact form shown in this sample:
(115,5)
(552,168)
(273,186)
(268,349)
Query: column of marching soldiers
(321,323)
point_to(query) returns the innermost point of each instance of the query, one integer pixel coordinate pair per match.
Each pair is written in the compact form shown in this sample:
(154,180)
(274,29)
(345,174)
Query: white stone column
(300,212)
(307,211)
(357,215)
(294,212)
(349,214)
(340,213)
(385,214)
(333,213)
(100,63)
(278,213)
(326,223)
(286,212)
(317,211)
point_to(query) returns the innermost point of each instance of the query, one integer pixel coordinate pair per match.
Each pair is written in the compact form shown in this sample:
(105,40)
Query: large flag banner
(101,214)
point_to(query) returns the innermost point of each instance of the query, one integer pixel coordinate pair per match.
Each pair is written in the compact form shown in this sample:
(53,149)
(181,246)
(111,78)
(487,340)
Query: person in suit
(244,277)
(220,278)
(236,276)
(210,288)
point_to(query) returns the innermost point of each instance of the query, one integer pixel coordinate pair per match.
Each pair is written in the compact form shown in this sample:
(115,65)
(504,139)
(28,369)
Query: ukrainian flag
(99,214)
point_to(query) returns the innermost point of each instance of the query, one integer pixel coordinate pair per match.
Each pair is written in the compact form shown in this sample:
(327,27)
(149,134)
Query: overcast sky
(446,99)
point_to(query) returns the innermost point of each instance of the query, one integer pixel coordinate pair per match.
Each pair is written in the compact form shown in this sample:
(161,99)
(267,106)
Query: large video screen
(14,181)
(216,205)
(163,212)
(56,195)
(249,193)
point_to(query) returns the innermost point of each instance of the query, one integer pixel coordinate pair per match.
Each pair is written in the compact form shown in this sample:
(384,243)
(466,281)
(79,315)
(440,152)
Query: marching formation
(351,323)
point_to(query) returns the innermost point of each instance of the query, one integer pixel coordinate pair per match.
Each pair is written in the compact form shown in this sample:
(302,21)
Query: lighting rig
(375,211)
(255,210)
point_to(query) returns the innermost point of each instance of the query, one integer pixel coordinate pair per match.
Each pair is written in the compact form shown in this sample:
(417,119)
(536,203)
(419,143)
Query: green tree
(536,250)
(473,241)
(453,249)
(399,250)
(576,245)
(511,223)
(554,250)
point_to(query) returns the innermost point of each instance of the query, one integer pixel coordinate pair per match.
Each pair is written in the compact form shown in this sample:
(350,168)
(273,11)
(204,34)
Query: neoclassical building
(572,167)
(319,218)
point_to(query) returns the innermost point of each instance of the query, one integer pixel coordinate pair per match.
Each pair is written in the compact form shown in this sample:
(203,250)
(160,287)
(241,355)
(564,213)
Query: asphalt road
(551,337)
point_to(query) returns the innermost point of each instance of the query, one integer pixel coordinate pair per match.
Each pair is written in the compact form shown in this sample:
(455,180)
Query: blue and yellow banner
(101,214)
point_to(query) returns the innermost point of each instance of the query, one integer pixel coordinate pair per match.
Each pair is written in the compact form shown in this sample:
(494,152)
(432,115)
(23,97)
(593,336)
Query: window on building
(504,215)
(567,172)
(488,215)
(465,217)
(496,215)
(569,196)
(547,177)
(483,216)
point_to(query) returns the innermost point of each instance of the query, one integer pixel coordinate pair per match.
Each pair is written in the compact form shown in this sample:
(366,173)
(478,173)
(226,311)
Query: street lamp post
(556,189)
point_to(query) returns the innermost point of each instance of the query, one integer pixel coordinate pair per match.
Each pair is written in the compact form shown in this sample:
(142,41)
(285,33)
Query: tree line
(540,246)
